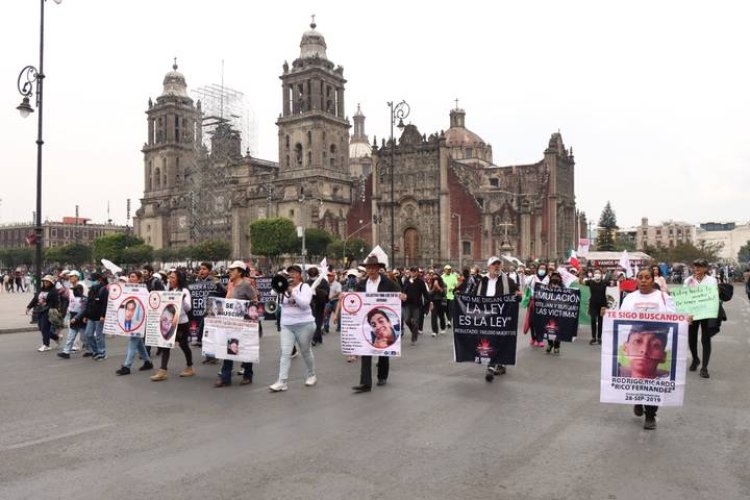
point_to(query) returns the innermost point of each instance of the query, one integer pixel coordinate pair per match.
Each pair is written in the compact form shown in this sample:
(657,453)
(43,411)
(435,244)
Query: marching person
(437,303)
(96,309)
(333,300)
(537,338)
(597,304)
(700,277)
(373,283)
(177,283)
(48,298)
(647,299)
(416,295)
(135,343)
(450,280)
(495,284)
(555,283)
(318,304)
(76,310)
(241,289)
(297,326)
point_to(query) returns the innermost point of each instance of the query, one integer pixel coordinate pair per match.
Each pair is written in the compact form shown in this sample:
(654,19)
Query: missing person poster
(643,358)
(701,301)
(162,316)
(485,328)
(263,285)
(556,312)
(371,324)
(126,310)
(230,330)
(613,297)
(200,291)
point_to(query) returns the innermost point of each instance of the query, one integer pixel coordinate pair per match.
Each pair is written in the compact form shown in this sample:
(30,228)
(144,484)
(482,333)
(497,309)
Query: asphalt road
(72,429)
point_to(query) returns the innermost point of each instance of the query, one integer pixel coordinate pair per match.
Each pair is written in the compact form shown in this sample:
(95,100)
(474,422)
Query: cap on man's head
(238,264)
(49,278)
(492,260)
(700,263)
(294,268)
(447,267)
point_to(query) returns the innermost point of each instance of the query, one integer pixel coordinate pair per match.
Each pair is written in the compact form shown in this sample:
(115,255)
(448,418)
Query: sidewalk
(13,318)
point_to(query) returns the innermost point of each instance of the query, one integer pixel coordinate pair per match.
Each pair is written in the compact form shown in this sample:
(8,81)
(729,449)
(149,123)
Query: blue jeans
(135,344)
(72,333)
(302,334)
(95,337)
(48,331)
(226,371)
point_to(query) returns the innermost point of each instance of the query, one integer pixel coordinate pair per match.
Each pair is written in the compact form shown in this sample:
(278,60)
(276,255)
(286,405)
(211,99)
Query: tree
(14,257)
(316,242)
(351,249)
(605,238)
(112,246)
(211,250)
(137,255)
(743,256)
(75,254)
(273,237)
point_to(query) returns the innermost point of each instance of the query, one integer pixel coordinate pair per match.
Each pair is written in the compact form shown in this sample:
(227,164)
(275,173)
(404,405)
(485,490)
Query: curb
(19,330)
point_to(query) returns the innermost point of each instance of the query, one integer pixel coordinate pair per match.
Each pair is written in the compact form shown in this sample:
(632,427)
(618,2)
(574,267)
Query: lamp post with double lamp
(26,80)
(398,112)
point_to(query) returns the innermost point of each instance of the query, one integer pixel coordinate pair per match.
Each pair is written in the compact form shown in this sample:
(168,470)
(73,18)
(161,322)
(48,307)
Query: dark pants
(365,376)
(317,310)
(437,313)
(46,328)
(537,336)
(596,325)
(449,310)
(199,329)
(411,315)
(650,410)
(705,341)
(422,313)
(553,343)
(183,333)
(226,371)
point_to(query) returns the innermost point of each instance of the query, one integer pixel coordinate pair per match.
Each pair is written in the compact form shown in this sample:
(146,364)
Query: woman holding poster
(178,283)
(297,326)
(646,299)
(699,277)
(135,342)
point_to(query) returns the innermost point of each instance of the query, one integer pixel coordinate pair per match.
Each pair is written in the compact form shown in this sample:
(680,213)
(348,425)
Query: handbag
(726,291)
(56,318)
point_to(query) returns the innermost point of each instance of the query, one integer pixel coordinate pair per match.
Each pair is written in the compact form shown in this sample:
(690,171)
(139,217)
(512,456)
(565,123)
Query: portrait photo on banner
(168,321)
(645,350)
(131,314)
(381,327)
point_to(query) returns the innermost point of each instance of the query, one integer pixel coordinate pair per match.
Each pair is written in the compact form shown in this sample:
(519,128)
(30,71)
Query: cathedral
(426,199)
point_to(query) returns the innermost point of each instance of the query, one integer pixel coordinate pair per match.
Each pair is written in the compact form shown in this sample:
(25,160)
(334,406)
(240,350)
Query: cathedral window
(309,138)
(333,155)
(309,158)
(291,213)
(287,142)
(157,178)
(298,154)
(466,248)
(494,182)
(287,160)
(177,128)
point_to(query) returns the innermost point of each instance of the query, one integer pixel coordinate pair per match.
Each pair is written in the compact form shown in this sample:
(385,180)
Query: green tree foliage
(316,242)
(273,237)
(686,252)
(605,239)
(75,254)
(743,256)
(211,250)
(112,246)
(351,249)
(14,257)
(137,255)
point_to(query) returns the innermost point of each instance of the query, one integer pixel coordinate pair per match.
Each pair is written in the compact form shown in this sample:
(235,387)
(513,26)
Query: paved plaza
(72,429)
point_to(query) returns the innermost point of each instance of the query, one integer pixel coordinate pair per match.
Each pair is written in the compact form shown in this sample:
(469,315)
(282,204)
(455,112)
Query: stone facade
(667,234)
(57,233)
(450,201)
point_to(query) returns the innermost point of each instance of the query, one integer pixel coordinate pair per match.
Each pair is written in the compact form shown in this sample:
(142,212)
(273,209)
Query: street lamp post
(398,111)
(33,75)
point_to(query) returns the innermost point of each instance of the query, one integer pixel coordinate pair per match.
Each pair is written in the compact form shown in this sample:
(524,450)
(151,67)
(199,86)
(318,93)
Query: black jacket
(96,307)
(499,287)
(385,285)
(416,292)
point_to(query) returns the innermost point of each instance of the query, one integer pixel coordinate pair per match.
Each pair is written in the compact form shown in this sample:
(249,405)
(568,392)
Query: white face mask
(597,277)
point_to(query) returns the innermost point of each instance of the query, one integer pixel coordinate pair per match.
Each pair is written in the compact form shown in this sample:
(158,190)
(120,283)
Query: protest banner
(162,316)
(702,301)
(200,291)
(485,328)
(613,297)
(371,324)
(263,285)
(556,312)
(644,357)
(126,310)
(218,330)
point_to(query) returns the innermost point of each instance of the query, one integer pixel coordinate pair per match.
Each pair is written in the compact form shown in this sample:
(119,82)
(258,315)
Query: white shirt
(372,286)
(707,280)
(491,286)
(656,301)
(335,290)
(296,308)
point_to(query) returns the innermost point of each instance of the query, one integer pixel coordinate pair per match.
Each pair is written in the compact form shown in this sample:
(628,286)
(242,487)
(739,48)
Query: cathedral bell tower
(313,128)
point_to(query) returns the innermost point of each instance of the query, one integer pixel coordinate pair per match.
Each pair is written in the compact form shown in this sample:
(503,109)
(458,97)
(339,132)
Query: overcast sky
(652,95)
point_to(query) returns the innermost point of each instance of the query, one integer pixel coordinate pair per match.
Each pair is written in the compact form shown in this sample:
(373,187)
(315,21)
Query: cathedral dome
(313,44)
(359,150)
(174,83)
(458,135)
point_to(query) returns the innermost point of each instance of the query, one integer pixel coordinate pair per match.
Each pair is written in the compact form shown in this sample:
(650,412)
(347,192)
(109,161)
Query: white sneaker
(74,349)
(434,334)
(311,381)
(278,387)
(44,348)
(442,332)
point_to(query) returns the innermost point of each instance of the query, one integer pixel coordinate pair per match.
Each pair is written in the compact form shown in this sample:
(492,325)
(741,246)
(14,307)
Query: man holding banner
(485,326)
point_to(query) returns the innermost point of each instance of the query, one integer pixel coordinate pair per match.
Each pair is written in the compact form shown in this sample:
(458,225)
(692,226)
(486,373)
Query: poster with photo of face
(126,310)
(230,330)
(371,324)
(644,358)
(162,317)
